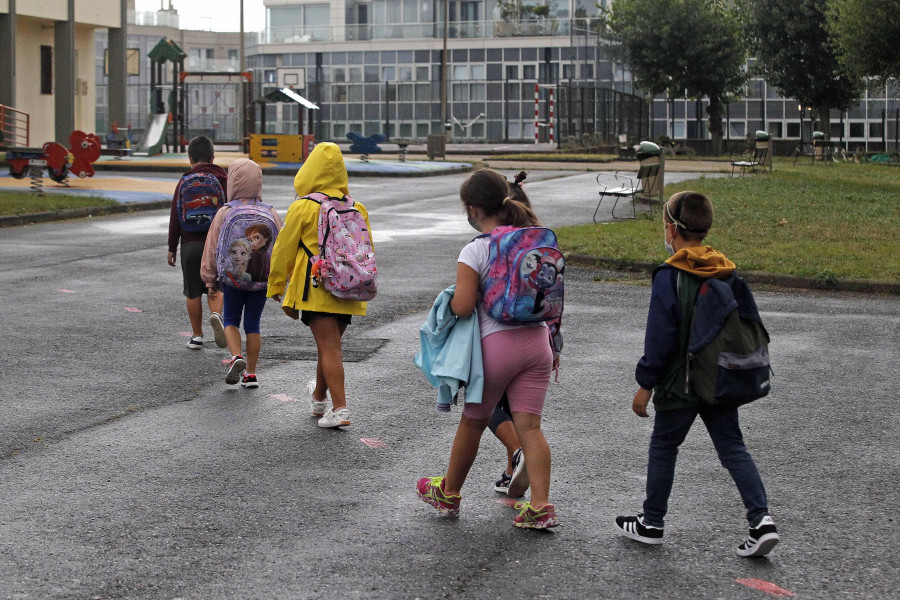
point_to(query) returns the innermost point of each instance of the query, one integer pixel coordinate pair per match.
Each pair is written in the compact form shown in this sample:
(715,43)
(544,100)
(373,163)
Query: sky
(212,15)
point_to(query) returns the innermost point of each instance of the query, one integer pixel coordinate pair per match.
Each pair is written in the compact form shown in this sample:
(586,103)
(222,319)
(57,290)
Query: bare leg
(254,343)
(537,456)
(233,339)
(463,452)
(506,433)
(195,314)
(215,303)
(327,332)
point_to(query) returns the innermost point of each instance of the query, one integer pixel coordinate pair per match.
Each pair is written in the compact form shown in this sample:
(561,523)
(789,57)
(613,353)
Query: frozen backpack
(244,247)
(525,275)
(345,265)
(200,196)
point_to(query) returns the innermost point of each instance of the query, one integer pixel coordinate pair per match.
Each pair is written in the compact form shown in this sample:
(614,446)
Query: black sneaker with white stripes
(761,540)
(634,528)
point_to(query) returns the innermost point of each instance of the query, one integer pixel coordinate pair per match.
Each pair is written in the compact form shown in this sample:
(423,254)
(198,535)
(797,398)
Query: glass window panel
(528,72)
(404,73)
(422,74)
(857,129)
(405,93)
(355,93)
(477,71)
(339,74)
(460,72)
(387,73)
(512,71)
(356,74)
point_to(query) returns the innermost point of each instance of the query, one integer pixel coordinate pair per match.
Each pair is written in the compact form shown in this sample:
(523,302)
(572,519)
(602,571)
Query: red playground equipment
(84,150)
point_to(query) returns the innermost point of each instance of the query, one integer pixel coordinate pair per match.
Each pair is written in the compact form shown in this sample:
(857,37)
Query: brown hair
(691,212)
(262,230)
(491,192)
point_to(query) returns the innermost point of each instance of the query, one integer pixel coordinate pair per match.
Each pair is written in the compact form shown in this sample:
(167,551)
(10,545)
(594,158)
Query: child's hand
(277,298)
(641,399)
(170,258)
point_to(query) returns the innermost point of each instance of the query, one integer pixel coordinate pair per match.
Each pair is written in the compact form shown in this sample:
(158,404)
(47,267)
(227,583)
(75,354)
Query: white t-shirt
(476,254)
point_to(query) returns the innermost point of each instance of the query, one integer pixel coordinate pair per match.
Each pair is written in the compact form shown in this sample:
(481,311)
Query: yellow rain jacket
(323,172)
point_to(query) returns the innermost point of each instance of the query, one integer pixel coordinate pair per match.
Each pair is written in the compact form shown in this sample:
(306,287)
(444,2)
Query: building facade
(47,73)
(490,70)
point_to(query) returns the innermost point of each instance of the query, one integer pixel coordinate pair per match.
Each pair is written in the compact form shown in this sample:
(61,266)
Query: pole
(242,115)
(444,68)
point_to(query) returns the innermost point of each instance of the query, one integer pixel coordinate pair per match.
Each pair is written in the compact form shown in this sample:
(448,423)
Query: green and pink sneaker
(431,490)
(532,518)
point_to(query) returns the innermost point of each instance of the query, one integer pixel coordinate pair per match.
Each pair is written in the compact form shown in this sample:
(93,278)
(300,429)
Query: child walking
(292,280)
(201,153)
(242,300)
(687,218)
(517,361)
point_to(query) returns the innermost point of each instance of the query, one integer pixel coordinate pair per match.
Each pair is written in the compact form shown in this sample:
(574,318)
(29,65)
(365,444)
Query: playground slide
(155,136)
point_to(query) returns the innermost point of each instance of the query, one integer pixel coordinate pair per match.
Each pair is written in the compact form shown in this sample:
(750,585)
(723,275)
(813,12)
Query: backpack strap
(687,286)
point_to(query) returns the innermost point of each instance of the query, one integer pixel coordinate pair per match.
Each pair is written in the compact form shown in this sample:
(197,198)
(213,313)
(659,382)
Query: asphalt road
(127,470)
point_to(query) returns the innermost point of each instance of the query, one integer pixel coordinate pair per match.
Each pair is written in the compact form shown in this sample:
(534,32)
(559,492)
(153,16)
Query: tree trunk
(825,121)
(714,110)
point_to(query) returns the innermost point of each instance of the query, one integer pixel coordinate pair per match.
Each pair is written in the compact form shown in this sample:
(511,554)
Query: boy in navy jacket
(687,217)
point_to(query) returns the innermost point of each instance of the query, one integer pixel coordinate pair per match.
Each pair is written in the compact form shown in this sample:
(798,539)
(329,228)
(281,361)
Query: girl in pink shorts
(517,360)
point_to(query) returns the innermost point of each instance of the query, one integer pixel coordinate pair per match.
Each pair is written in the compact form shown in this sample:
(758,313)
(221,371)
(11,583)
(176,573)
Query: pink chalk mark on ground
(282,397)
(66,291)
(185,333)
(373,442)
(765,586)
(133,309)
(506,501)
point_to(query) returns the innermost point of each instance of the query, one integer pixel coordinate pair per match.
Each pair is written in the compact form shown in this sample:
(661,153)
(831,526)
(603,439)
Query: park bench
(646,185)
(761,156)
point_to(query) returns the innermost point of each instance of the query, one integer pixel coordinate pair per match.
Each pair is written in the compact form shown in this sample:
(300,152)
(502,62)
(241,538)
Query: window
(339,74)
(857,130)
(387,74)
(876,130)
(46,70)
(477,71)
(793,130)
(460,72)
(512,71)
(232,54)
(528,72)
(775,130)
(422,74)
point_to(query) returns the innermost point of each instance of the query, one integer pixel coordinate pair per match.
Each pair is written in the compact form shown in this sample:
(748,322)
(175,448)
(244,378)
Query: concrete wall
(31,34)
(35,28)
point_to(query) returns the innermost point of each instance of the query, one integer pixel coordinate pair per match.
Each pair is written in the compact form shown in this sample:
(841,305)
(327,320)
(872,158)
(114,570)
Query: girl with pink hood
(244,187)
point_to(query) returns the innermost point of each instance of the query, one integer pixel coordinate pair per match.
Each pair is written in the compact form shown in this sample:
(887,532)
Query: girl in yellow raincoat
(290,280)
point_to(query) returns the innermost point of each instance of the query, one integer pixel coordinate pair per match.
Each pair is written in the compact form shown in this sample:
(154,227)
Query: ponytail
(491,192)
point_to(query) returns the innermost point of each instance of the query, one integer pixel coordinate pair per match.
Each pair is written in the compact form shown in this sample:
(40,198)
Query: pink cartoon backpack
(345,265)
(525,275)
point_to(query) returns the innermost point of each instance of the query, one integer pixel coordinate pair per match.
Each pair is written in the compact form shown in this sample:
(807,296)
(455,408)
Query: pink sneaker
(531,518)
(430,490)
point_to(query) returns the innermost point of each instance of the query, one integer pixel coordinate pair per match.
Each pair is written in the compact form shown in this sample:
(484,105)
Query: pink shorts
(518,362)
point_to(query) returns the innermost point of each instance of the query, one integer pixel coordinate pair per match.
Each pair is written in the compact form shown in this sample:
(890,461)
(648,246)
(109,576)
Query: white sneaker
(218,327)
(195,343)
(340,418)
(318,408)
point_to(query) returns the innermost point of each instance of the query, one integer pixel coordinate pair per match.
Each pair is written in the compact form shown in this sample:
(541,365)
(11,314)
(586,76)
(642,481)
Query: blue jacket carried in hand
(450,353)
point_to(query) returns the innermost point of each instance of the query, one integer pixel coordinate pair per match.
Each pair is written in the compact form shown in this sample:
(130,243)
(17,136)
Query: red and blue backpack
(200,196)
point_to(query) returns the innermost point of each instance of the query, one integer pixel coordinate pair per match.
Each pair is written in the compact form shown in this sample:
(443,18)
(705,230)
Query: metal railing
(15,125)
(526,27)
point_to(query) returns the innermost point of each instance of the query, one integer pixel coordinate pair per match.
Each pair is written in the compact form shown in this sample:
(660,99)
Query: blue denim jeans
(669,430)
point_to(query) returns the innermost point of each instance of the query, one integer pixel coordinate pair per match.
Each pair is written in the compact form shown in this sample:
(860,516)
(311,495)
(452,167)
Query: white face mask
(669,248)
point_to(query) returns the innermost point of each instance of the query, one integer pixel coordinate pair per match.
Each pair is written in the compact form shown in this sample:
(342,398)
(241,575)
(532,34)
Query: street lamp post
(242,127)
(444,68)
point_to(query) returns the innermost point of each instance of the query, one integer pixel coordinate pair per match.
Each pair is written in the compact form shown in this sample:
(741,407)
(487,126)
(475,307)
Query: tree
(795,53)
(866,34)
(678,47)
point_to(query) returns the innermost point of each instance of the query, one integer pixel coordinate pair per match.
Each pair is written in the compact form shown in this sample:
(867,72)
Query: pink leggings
(518,362)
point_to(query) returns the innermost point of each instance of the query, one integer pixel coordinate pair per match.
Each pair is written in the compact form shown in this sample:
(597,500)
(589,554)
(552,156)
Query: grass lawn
(838,221)
(28,202)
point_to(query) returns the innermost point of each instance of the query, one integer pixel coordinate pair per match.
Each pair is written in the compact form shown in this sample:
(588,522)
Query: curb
(776,279)
(79,213)
(277,170)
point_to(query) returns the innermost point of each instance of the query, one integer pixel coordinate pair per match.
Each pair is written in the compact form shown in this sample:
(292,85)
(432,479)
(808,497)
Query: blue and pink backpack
(240,260)
(345,264)
(525,276)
